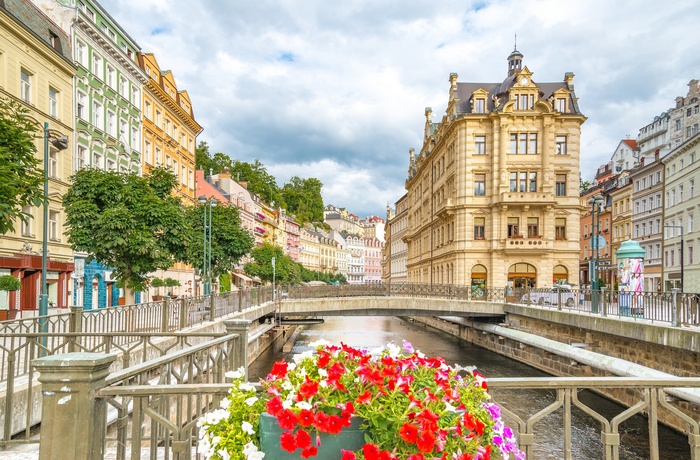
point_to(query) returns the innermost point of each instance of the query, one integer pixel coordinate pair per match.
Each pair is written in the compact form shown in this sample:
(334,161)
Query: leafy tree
(286,271)
(229,243)
(130,223)
(259,181)
(203,159)
(21,182)
(303,199)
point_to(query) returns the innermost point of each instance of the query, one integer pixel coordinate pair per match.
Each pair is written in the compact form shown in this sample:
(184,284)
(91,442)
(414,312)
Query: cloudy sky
(337,89)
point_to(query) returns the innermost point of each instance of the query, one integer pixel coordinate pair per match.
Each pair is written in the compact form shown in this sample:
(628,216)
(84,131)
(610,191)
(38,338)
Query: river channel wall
(569,351)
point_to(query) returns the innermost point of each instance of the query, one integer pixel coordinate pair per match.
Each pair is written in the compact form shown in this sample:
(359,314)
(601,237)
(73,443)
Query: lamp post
(206,263)
(60,143)
(273,278)
(681,255)
(597,205)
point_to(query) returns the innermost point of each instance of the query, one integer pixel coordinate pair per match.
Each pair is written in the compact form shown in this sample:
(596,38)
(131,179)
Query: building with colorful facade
(36,70)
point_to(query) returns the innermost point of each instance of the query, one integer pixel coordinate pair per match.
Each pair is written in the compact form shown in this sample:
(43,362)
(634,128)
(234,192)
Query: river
(373,332)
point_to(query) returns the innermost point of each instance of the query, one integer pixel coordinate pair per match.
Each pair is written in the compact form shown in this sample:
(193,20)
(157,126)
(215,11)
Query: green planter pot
(351,438)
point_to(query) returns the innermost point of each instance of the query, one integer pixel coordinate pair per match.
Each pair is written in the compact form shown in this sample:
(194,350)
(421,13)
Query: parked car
(551,295)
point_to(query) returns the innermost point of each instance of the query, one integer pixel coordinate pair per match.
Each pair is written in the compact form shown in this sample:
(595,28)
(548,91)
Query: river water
(373,332)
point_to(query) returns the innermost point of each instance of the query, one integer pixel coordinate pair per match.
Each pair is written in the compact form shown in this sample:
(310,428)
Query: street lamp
(206,263)
(273,278)
(60,143)
(597,205)
(682,250)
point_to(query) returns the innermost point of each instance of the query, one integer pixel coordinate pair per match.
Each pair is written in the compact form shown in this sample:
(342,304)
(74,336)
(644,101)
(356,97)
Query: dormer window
(561,105)
(523,101)
(480,106)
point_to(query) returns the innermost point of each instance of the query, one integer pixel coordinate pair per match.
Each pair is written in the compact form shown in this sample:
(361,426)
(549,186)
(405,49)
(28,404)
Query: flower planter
(351,438)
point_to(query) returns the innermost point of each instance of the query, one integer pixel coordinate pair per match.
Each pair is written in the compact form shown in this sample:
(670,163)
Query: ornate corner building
(493,194)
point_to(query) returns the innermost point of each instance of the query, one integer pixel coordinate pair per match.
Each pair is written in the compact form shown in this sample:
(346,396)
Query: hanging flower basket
(343,403)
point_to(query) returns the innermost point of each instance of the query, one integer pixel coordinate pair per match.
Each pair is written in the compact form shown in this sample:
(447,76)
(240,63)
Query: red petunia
(370,452)
(305,417)
(310,451)
(288,442)
(303,439)
(409,433)
(364,398)
(466,456)
(308,389)
(418,456)
(321,422)
(348,455)
(279,371)
(323,359)
(274,406)
(335,424)
(426,441)
(287,419)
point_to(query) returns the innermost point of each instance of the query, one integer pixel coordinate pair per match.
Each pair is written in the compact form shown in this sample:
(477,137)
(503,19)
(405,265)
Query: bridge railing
(159,420)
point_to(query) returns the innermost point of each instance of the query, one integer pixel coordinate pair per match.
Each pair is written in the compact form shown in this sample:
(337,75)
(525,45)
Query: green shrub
(9,283)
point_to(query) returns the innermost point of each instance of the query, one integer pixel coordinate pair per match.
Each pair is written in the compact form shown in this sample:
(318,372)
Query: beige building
(395,248)
(36,69)
(493,195)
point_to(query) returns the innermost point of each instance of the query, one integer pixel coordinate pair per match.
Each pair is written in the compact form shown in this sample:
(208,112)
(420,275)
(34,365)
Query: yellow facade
(493,195)
(169,139)
(36,70)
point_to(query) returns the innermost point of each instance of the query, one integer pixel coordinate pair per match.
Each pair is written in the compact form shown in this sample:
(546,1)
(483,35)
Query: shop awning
(242,276)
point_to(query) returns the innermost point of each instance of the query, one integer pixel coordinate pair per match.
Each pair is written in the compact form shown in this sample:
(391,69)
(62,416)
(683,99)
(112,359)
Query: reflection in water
(372,332)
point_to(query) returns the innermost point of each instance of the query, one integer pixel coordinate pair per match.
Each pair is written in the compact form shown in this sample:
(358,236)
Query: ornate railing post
(212,306)
(75,325)
(165,315)
(676,307)
(183,315)
(73,420)
(240,354)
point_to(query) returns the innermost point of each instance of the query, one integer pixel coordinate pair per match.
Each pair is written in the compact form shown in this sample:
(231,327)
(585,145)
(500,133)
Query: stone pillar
(240,354)
(73,420)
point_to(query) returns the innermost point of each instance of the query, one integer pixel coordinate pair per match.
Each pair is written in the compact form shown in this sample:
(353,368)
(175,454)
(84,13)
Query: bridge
(191,342)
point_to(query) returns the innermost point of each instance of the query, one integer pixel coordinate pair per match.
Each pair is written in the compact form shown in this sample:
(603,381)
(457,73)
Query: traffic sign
(597,242)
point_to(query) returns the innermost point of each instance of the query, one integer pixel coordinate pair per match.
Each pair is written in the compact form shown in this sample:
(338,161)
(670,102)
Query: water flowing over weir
(373,332)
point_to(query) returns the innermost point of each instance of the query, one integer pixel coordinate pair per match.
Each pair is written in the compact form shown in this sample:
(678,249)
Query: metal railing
(175,435)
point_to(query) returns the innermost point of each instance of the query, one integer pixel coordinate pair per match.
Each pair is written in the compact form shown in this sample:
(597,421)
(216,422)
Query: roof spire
(515,45)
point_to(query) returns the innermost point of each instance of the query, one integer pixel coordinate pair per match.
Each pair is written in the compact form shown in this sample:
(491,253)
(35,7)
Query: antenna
(515,44)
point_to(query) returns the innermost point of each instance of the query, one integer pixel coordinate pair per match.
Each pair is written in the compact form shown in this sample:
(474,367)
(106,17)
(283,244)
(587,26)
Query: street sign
(597,242)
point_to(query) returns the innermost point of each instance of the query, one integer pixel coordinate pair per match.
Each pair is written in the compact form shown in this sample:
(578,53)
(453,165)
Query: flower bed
(412,407)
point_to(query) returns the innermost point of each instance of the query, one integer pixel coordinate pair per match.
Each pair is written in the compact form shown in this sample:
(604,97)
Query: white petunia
(304,405)
(237,374)
(323,373)
(288,403)
(247,387)
(252,400)
(251,452)
(287,385)
(450,408)
(225,403)
(248,427)
(224,455)
(319,343)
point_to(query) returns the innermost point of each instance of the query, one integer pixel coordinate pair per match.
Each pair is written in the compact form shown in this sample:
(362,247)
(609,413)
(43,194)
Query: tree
(21,179)
(229,243)
(286,271)
(203,158)
(303,199)
(133,224)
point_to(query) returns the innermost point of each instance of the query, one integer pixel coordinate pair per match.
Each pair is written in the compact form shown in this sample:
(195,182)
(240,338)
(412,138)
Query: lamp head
(202,199)
(213,202)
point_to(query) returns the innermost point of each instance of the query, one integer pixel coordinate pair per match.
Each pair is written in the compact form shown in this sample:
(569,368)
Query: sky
(337,90)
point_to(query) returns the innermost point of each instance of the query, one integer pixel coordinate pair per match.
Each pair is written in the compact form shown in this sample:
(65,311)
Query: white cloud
(337,90)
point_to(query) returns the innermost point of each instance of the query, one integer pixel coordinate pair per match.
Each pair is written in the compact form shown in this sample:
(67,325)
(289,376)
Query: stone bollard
(240,354)
(73,420)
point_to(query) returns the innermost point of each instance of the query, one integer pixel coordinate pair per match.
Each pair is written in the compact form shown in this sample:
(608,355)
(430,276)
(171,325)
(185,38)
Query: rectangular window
(560,228)
(111,123)
(523,144)
(81,97)
(111,73)
(158,118)
(53,163)
(147,152)
(111,165)
(97,160)
(97,65)
(135,100)
(561,145)
(82,157)
(135,138)
(523,102)
(147,109)
(176,172)
(533,228)
(533,182)
(123,87)
(159,157)
(513,226)
(480,106)
(26,86)
(183,175)
(53,225)
(480,145)
(690,254)
(560,185)
(122,130)
(561,105)
(513,182)
(81,53)
(97,119)
(479,228)
(53,102)
(29,224)
(479,184)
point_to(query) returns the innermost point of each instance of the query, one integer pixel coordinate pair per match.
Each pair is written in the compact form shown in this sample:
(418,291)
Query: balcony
(445,208)
(259,231)
(259,216)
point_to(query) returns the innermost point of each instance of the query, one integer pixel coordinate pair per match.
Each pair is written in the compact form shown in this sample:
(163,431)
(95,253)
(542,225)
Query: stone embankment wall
(670,360)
